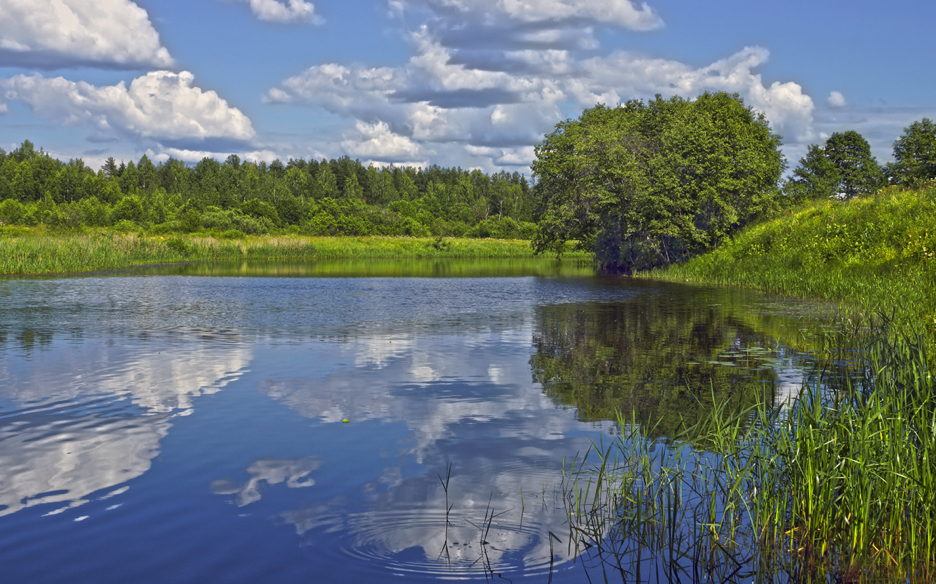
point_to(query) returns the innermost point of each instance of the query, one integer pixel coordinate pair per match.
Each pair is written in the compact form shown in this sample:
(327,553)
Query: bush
(260,210)
(178,245)
(125,226)
(128,209)
(12,211)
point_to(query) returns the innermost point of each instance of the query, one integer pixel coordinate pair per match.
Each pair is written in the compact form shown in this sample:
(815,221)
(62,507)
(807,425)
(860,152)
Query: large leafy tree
(645,184)
(914,154)
(842,168)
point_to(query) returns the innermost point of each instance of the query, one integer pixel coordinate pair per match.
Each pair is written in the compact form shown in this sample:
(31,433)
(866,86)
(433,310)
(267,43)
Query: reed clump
(838,485)
(40,251)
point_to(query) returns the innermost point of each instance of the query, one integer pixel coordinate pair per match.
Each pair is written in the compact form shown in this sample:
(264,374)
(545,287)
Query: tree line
(843,167)
(328,197)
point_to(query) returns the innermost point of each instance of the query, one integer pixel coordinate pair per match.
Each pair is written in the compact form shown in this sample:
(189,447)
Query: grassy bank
(838,486)
(877,254)
(38,251)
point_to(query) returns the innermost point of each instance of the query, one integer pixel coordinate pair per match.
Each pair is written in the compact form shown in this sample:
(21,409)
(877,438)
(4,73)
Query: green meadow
(34,251)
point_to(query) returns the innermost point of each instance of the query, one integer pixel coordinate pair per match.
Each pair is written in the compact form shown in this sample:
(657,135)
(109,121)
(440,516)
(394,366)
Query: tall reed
(839,484)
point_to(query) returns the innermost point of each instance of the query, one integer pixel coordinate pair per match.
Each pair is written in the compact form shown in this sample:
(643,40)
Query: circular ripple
(416,542)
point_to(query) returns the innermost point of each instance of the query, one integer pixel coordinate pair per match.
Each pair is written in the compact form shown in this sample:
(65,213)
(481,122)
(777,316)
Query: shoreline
(39,252)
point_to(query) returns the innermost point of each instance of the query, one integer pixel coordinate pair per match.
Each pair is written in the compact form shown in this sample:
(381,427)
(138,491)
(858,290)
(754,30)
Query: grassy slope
(876,254)
(40,252)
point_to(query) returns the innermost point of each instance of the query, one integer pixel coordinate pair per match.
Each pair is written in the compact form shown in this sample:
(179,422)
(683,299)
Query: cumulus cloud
(61,33)
(377,142)
(836,99)
(160,106)
(622,76)
(442,104)
(291,11)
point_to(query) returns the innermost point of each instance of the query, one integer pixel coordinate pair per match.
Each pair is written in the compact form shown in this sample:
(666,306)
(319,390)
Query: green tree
(816,177)
(326,185)
(842,169)
(858,170)
(147,174)
(128,179)
(110,167)
(914,154)
(352,188)
(647,184)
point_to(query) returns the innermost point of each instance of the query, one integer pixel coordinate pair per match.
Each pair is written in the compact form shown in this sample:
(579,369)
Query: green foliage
(842,169)
(128,209)
(648,184)
(816,177)
(257,198)
(914,154)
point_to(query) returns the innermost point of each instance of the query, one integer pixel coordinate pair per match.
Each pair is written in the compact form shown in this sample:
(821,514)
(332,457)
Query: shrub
(12,211)
(125,226)
(178,245)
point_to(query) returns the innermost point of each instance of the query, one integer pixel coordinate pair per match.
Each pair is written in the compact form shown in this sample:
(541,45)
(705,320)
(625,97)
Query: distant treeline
(327,197)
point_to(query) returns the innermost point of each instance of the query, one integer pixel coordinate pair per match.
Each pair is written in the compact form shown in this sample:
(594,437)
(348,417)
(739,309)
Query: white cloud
(466,114)
(379,143)
(622,76)
(159,106)
(291,11)
(57,33)
(613,12)
(836,99)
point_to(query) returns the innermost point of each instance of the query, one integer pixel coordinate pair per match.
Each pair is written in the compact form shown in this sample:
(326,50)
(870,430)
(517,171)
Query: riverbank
(35,251)
(877,254)
(839,483)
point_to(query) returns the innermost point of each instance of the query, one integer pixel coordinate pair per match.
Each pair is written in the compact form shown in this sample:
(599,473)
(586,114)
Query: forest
(328,197)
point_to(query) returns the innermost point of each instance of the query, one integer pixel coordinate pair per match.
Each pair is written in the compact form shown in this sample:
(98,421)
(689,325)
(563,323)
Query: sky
(469,83)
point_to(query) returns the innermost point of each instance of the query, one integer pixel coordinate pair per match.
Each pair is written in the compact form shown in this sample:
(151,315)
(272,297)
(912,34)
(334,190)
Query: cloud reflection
(467,400)
(270,471)
(89,420)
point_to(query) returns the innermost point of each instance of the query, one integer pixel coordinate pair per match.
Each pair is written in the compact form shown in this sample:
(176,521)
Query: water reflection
(379,268)
(75,422)
(665,358)
(272,472)
(465,401)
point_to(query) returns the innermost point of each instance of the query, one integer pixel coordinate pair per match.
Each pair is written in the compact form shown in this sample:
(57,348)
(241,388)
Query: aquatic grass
(839,484)
(39,251)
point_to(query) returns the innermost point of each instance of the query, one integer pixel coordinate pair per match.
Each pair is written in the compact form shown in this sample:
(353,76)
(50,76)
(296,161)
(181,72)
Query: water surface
(185,423)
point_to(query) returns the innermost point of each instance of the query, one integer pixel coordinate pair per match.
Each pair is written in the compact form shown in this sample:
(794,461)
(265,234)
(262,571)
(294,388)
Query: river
(344,421)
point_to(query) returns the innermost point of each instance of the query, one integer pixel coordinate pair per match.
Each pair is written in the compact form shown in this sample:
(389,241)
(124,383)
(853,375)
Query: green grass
(839,485)
(877,254)
(38,251)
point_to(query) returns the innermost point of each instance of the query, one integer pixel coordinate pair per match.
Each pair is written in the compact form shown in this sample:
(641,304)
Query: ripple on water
(415,542)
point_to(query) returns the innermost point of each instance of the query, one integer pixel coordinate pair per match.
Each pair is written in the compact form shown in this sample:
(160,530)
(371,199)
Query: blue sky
(472,83)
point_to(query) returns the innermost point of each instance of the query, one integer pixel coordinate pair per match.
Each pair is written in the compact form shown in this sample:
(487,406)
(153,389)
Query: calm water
(184,424)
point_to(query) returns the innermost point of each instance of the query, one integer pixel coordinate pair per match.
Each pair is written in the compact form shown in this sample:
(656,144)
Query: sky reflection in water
(162,428)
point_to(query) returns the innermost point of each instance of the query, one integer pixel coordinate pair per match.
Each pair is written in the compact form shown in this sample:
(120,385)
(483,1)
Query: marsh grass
(38,251)
(838,485)
(876,253)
